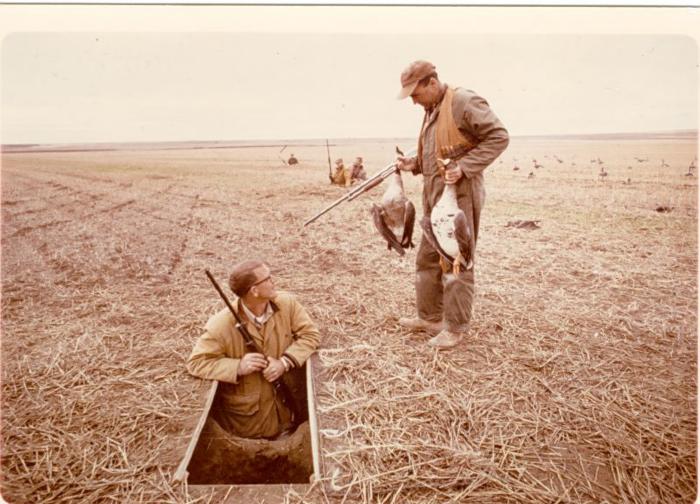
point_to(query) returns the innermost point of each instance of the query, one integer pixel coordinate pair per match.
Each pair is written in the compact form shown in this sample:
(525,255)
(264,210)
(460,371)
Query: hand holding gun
(251,363)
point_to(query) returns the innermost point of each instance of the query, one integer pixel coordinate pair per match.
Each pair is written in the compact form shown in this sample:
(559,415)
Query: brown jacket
(358,172)
(248,403)
(477,122)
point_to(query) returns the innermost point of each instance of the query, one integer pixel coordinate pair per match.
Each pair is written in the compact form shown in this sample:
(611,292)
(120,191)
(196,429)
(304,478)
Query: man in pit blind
(281,326)
(358,173)
(342,176)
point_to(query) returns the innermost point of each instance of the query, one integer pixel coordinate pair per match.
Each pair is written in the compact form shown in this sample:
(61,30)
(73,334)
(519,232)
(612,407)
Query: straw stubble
(577,382)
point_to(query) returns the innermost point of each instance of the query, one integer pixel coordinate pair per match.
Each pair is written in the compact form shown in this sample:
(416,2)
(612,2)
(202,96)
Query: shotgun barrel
(367,185)
(330,169)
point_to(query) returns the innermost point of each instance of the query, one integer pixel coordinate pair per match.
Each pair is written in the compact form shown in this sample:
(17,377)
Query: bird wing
(384,230)
(464,235)
(409,218)
(429,236)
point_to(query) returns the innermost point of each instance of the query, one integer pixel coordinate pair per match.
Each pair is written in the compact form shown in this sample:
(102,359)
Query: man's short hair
(243,276)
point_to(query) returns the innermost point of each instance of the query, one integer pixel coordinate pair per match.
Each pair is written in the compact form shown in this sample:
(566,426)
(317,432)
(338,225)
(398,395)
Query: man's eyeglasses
(268,277)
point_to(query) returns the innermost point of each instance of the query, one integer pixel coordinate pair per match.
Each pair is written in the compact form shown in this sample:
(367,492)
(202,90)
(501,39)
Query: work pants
(443,296)
(446,296)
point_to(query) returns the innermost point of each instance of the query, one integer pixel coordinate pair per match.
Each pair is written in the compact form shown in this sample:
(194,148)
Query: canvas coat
(342,176)
(448,297)
(248,406)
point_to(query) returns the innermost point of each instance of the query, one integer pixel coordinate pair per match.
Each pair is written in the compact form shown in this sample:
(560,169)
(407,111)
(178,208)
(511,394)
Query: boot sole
(444,347)
(432,330)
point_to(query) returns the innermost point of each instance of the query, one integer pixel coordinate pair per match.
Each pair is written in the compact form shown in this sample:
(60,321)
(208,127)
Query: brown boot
(445,339)
(418,324)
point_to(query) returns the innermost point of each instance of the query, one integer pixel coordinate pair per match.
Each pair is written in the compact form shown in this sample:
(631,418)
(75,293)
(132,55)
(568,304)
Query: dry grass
(577,383)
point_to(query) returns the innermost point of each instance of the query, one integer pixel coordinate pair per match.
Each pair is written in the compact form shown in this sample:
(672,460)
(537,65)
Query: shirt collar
(259,321)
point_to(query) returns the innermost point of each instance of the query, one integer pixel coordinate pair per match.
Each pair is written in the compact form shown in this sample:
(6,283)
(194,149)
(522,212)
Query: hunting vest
(450,142)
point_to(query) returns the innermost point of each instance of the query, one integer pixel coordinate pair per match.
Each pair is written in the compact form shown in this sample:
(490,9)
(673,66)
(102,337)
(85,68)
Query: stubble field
(576,384)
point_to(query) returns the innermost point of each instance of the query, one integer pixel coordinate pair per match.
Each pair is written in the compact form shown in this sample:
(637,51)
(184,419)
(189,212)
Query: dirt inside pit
(223,458)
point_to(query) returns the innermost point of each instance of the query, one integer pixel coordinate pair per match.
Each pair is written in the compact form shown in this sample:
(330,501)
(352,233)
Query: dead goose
(395,215)
(448,231)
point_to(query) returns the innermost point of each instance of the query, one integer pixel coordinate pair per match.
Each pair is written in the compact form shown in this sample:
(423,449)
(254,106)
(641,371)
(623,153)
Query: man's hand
(274,369)
(405,163)
(452,171)
(250,363)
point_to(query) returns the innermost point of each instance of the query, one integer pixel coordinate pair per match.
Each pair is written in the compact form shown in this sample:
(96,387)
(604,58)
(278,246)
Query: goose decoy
(394,217)
(448,231)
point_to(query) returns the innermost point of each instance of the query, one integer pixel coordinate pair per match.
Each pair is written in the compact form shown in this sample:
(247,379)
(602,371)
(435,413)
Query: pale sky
(281,72)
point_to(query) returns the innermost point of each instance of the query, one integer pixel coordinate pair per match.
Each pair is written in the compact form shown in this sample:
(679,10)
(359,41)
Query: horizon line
(297,141)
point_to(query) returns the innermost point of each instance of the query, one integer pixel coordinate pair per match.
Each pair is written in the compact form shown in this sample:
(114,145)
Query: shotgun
(368,184)
(330,169)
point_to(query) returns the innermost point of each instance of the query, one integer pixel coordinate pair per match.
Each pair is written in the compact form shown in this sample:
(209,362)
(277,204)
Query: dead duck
(448,231)
(394,217)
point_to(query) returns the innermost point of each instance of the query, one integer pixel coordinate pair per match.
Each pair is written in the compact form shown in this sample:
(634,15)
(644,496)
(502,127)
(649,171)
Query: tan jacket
(248,404)
(342,176)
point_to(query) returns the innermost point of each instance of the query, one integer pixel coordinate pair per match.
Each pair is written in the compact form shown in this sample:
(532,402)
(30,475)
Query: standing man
(279,324)
(458,124)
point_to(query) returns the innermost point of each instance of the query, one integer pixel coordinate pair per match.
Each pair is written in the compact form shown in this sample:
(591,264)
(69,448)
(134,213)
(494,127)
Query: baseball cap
(412,75)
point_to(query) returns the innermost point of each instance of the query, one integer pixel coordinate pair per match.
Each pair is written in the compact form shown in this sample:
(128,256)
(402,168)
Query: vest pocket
(241,404)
